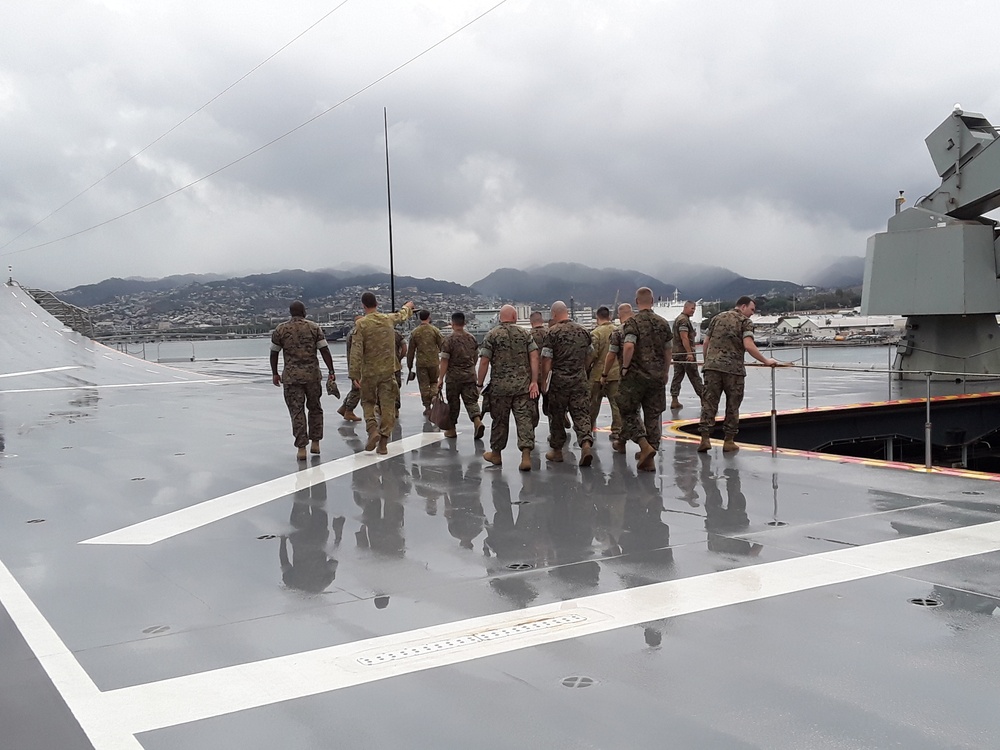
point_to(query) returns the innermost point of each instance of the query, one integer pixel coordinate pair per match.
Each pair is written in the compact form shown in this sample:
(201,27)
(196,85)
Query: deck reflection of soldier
(725,520)
(604,385)
(516,540)
(374,366)
(463,508)
(309,567)
(729,336)
(353,397)
(684,357)
(457,373)
(380,492)
(425,346)
(566,354)
(511,357)
(301,380)
(644,371)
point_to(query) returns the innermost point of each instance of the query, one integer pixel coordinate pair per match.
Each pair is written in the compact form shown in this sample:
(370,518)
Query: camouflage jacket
(650,334)
(567,344)
(373,345)
(425,342)
(683,324)
(725,338)
(507,348)
(538,336)
(600,339)
(461,350)
(299,340)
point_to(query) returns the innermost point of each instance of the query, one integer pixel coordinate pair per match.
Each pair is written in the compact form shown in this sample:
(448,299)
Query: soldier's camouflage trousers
(574,399)
(427,379)
(457,393)
(300,398)
(690,369)
(524,410)
(353,398)
(717,383)
(649,394)
(384,393)
(609,391)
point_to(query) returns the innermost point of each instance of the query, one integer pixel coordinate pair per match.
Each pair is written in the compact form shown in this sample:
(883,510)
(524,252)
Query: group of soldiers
(561,370)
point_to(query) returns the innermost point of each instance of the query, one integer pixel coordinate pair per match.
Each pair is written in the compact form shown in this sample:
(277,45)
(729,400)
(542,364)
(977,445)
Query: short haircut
(536,317)
(603,312)
(424,314)
(368,300)
(644,295)
(458,317)
(297,309)
(744,300)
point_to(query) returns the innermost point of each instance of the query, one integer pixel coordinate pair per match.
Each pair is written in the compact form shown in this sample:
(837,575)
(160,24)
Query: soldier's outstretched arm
(275,377)
(533,359)
(442,370)
(751,346)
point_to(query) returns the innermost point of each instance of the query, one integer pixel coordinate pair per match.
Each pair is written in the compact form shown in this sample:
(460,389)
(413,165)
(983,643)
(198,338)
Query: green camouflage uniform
(375,363)
(507,347)
(684,363)
(643,385)
(425,342)
(600,339)
(724,370)
(302,382)
(353,398)
(567,345)
(461,350)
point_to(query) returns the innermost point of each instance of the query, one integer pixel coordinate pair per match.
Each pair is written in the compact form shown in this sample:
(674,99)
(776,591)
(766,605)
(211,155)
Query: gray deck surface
(428,538)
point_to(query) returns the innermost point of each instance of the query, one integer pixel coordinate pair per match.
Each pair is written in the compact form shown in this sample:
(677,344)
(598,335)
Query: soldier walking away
(353,397)
(566,355)
(538,328)
(374,368)
(604,380)
(457,371)
(425,347)
(684,356)
(301,380)
(510,355)
(729,336)
(644,372)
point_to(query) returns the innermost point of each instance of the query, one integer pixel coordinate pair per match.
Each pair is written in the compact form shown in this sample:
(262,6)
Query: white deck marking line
(213,381)
(195,516)
(169,702)
(38,372)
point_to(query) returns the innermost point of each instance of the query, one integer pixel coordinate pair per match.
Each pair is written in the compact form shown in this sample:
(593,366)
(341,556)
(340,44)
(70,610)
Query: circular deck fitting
(578,682)
(926,601)
(776,523)
(520,566)
(37,520)
(266,536)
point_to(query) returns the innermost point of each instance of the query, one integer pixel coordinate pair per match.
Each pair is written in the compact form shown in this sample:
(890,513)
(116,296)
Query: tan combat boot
(383,446)
(492,457)
(730,446)
(586,454)
(525,464)
(675,404)
(301,454)
(480,428)
(555,455)
(451,433)
(618,446)
(315,447)
(373,437)
(646,457)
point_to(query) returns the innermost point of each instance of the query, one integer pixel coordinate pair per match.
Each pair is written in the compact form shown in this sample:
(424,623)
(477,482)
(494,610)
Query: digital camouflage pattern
(299,340)
(458,392)
(725,342)
(507,347)
(523,408)
(602,339)
(425,342)
(461,351)
(717,383)
(684,362)
(300,397)
(649,394)
(567,345)
(682,324)
(616,341)
(538,336)
(650,335)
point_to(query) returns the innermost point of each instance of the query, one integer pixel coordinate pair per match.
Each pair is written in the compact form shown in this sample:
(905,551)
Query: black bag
(439,414)
(486,399)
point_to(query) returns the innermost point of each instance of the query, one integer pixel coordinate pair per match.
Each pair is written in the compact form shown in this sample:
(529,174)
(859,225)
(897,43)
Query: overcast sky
(764,137)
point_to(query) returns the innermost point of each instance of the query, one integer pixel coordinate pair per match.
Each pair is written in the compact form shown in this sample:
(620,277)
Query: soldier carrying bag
(486,400)
(439,413)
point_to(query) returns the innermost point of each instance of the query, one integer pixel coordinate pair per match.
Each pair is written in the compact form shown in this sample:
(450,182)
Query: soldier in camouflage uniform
(644,371)
(458,369)
(566,355)
(374,365)
(353,398)
(604,381)
(511,356)
(299,339)
(684,356)
(538,328)
(729,336)
(425,346)
(400,354)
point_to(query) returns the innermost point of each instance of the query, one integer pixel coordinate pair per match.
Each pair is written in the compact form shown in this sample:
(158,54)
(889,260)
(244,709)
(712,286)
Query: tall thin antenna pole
(388,195)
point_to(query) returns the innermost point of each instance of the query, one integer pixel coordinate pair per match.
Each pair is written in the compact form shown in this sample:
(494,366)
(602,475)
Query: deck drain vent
(266,536)
(37,520)
(927,601)
(776,523)
(972,492)
(578,682)
(156,629)
(520,566)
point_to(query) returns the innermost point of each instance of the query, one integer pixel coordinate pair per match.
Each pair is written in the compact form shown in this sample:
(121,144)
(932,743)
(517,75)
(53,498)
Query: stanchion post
(805,356)
(774,415)
(927,426)
(888,369)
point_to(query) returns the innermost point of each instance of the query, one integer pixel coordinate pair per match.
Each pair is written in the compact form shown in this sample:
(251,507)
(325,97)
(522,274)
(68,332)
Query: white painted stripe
(165,703)
(213,381)
(38,372)
(195,516)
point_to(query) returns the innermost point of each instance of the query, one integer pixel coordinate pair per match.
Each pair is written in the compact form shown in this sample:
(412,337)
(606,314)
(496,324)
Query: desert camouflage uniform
(353,397)
(684,363)
(302,382)
(724,370)
(643,385)
(461,349)
(375,363)
(600,339)
(567,344)
(507,347)
(426,342)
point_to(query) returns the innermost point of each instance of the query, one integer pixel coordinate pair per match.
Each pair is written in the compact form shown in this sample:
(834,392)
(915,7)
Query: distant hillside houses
(830,326)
